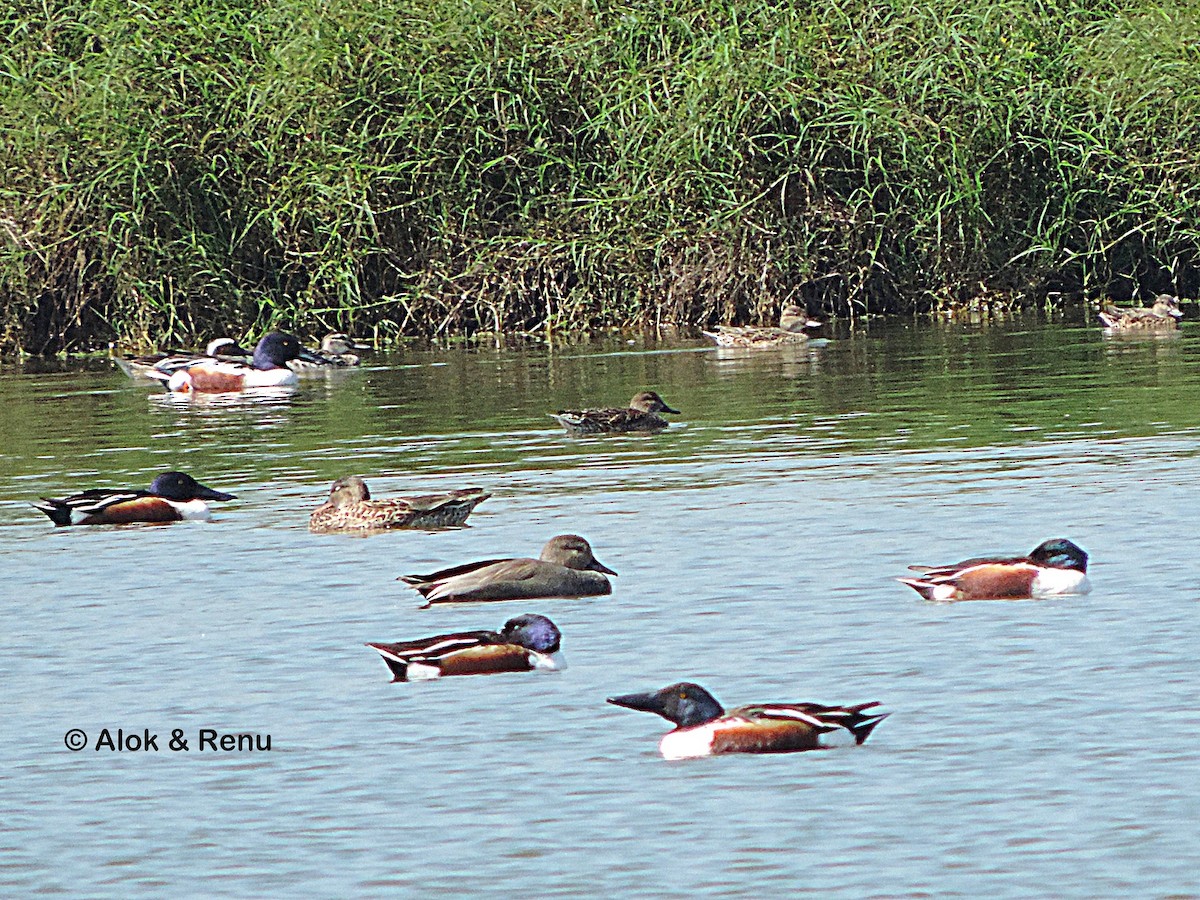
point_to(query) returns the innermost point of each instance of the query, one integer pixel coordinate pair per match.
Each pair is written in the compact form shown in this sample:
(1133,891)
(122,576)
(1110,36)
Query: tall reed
(174,170)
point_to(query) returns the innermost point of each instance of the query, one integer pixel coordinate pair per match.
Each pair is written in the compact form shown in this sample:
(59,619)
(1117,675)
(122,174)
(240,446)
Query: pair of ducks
(566,566)
(702,726)
(227,367)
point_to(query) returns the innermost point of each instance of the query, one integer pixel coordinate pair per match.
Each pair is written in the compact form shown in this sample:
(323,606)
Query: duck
(267,368)
(333,354)
(1164,315)
(565,568)
(526,643)
(172,497)
(641,415)
(1054,567)
(350,507)
(704,728)
(793,321)
(145,366)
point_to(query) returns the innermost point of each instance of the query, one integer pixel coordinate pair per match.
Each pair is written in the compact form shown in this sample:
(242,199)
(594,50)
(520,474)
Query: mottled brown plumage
(641,415)
(791,330)
(334,354)
(350,508)
(1164,315)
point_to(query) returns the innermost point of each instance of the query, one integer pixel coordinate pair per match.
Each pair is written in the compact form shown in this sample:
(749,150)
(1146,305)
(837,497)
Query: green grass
(170,171)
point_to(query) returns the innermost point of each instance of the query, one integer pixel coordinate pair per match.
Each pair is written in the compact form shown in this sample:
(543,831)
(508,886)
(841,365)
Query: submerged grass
(174,170)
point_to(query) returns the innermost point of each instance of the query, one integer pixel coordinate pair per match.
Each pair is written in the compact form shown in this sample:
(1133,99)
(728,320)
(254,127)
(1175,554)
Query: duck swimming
(172,497)
(704,728)
(1052,568)
(793,321)
(226,349)
(566,568)
(525,643)
(350,507)
(334,354)
(267,368)
(1164,315)
(641,415)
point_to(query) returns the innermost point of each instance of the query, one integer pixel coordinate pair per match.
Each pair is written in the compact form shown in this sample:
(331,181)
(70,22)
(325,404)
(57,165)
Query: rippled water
(1036,748)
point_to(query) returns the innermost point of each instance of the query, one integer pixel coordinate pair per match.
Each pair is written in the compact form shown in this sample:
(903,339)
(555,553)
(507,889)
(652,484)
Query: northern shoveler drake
(704,728)
(172,497)
(566,568)
(1054,567)
(226,349)
(350,507)
(641,415)
(267,368)
(1164,315)
(793,322)
(524,644)
(334,354)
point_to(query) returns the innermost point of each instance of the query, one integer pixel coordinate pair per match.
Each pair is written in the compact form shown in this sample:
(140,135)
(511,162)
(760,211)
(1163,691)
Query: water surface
(1033,743)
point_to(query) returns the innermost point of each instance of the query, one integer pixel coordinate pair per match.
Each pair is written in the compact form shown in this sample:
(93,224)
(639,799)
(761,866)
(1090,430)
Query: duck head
(1060,553)
(650,402)
(686,704)
(533,632)
(1166,305)
(338,344)
(277,349)
(351,489)
(573,552)
(794,318)
(183,487)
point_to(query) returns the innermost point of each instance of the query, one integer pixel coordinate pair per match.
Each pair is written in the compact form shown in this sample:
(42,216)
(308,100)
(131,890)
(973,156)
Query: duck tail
(922,587)
(398,667)
(59,512)
(861,724)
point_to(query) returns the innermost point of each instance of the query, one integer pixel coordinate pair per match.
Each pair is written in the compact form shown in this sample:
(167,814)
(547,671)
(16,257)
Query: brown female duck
(350,508)
(792,324)
(641,415)
(1164,315)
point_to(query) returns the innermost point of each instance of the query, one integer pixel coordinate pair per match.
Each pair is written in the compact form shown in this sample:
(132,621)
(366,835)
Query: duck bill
(650,702)
(668,409)
(309,356)
(207,493)
(598,566)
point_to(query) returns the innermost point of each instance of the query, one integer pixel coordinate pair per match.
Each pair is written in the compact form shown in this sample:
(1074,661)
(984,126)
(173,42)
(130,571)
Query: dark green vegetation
(175,169)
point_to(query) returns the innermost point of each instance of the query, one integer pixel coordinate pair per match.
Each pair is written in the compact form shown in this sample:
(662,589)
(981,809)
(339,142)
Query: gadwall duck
(641,415)
(566,568)
(350,507)
(1164,315)
(152,366)
(1054,567)
(172,497)
(704,728)
(524,644)
(335,353)
(267,368)
(792,324)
